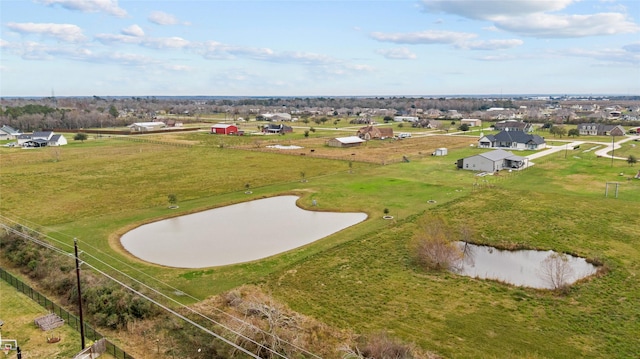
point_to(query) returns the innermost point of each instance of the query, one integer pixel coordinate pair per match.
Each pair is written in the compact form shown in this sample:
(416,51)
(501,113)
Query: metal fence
(70,319)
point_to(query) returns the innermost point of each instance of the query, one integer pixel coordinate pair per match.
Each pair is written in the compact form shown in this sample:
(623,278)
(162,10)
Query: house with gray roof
(600,129)
(41,139)
(9,133)
(492,161)
(517,140)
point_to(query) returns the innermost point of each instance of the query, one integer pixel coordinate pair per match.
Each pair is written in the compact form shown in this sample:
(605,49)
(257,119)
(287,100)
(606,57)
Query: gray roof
(518,137)
(497,155)
(10,130)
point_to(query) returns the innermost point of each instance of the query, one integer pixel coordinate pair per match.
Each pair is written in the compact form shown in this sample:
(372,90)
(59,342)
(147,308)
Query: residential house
(41,139)
(277,128)
(491,161)
(513,125)
(351,141)
(374,132)
(512,139)
(57,140)
(599,129)
(471,122)
(9,133)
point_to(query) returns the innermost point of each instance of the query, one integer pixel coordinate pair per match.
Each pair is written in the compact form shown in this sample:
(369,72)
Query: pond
(529,268)
(234,234)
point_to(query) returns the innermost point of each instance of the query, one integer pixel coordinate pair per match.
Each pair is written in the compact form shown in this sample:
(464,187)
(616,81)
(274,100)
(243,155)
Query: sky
(318,48)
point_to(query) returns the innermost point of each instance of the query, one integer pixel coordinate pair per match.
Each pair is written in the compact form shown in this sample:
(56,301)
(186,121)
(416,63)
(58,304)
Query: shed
(224,129)
(440,152)
(350,141)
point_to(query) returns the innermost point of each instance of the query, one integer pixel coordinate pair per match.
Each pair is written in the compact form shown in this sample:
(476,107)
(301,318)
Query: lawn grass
(364,278)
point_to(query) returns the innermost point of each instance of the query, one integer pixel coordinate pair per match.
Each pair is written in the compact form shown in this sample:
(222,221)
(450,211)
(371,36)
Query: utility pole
(612,150)
(75,246)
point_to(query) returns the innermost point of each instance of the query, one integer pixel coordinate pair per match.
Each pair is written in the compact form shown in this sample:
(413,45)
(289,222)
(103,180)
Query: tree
(573,132)
(387,119)
(436,248)
(80,137)
(556,271)
(306,133)
(632,160)
(113,111)
(464,127)
(558,131)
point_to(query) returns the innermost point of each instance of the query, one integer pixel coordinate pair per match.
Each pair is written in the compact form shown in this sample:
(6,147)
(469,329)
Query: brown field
(374,151)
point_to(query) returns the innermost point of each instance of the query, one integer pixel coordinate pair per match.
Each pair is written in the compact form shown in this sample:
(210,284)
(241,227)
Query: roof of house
(499,155)
(42,134)
(55,138)
(518,137)
(10,130)
(349,139)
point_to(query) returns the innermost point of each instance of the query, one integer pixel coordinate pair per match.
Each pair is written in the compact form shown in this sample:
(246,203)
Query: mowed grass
(365,278)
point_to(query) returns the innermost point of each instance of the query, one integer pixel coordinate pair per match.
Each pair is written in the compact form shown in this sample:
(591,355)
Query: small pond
(521,267)
(234,234)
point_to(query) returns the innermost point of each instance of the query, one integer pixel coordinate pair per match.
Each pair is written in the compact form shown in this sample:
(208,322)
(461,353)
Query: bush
(436,248)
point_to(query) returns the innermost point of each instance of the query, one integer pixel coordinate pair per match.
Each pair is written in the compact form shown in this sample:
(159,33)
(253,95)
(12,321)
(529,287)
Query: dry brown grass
(374,151)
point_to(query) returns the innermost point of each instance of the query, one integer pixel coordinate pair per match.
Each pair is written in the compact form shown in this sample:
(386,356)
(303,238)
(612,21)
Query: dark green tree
(80,137)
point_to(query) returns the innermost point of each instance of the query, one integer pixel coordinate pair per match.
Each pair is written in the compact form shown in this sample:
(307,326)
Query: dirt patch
(374,151)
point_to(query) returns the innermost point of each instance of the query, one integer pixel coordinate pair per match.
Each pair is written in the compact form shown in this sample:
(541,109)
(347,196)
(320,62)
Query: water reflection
(528,268)
(234,234)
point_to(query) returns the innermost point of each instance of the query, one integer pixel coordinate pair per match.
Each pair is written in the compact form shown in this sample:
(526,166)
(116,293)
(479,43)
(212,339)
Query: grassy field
(365,278)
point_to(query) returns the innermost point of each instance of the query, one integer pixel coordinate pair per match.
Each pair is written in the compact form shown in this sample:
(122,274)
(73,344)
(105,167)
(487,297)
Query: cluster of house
(35,139)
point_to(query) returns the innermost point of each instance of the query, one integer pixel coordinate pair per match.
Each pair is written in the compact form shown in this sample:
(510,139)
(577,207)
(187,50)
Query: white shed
(440,152)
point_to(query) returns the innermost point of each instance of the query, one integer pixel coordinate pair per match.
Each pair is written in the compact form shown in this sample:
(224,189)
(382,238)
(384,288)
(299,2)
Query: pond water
(234,234)
(521,267)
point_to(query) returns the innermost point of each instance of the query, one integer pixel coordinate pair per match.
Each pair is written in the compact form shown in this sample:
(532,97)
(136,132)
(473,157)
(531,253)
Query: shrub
(436,248)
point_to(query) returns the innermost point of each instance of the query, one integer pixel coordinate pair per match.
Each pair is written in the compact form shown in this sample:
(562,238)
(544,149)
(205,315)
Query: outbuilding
(224,129)
(440,152)
(351,141)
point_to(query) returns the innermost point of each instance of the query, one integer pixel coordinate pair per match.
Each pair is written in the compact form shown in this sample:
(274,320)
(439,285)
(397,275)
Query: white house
(472,122)
(41,139)
(9,133)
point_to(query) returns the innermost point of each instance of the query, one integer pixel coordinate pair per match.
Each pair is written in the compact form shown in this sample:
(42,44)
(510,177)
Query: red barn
(224,129)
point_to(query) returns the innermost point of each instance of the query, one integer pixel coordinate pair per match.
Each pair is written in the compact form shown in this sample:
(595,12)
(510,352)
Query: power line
(49,246)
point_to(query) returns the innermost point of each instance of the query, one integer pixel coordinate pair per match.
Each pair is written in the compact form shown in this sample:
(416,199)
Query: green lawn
(365,278)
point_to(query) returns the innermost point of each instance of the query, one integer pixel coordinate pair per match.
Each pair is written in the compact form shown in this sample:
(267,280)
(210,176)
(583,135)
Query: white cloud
(107,6)
(178,68)
(133,30)
(606,56)
(487,9)
(124,39)
(165,43)
(399,53)
(162,18)
(562,26)
(424,37)
(64,32)
(533,17)
(490,44)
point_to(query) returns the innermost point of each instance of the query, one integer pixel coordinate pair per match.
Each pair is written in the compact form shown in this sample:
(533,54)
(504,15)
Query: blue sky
(318,48)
